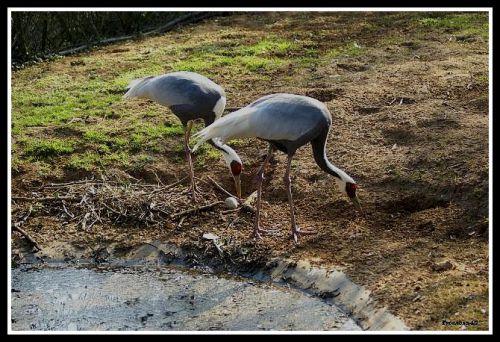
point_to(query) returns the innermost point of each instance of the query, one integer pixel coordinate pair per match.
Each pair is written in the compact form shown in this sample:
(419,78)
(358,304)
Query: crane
(287,122)
(190,96)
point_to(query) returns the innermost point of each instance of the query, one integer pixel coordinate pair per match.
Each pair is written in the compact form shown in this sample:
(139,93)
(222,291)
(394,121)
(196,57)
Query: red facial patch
(350,188)
(235,168)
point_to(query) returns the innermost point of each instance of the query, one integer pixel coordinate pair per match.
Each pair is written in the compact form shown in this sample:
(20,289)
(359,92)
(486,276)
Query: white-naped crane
(287,122)
(190,96)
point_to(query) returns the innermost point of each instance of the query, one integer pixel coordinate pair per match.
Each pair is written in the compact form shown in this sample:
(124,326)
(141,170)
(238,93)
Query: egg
(231,203)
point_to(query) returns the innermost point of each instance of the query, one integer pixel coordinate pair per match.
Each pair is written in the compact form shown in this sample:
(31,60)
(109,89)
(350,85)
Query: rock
(231,203)
(210,236)
(442,266)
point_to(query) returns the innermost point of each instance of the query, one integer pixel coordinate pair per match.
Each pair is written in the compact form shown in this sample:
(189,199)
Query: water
(166,298)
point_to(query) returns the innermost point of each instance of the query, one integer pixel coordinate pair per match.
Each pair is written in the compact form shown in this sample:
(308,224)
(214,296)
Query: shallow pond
(161,298)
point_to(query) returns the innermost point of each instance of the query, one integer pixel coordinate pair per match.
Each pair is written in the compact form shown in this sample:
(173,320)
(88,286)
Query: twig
(222,189)
(167,187)
(66,211)
(230,211)
(23,233)
(42,199)
(90,226)
(113,210)
(72,183)
(157,178)
(192,210)
(233,222)
(28,237)
(180,222)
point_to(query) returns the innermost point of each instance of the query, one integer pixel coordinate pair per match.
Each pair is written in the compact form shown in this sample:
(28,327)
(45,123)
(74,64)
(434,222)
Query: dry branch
(192,210)
(43,199)
(16,227)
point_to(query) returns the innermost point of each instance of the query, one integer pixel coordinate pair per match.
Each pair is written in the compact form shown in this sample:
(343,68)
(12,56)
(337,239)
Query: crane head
(347,185)
(236,167)
(350,190)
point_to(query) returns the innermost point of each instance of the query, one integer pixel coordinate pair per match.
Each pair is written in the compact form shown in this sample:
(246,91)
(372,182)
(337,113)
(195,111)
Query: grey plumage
(189,96)
(287,122)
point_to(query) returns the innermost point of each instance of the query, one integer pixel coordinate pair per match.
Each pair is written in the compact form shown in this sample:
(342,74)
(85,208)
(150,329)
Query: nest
(91,201)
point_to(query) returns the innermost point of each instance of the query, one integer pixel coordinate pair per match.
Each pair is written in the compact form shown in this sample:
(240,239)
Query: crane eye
(235,168)
(350,189)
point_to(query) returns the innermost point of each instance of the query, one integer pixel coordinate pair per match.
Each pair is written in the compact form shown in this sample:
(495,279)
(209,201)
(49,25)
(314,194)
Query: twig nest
(231,203)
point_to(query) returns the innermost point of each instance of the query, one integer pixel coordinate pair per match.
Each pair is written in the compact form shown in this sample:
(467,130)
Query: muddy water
(166,298)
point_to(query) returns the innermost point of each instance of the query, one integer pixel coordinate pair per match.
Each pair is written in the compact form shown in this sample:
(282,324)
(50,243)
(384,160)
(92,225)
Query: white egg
(231,203)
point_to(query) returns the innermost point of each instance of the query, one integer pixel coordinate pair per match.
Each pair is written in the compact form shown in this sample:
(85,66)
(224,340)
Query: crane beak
(355,201)
(237,184)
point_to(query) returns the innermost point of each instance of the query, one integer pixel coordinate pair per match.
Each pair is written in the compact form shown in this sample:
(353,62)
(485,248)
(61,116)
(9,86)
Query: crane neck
(228,153)
(319,151)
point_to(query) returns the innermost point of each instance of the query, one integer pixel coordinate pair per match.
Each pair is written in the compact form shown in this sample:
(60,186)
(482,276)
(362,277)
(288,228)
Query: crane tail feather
(230,126)
(136,87)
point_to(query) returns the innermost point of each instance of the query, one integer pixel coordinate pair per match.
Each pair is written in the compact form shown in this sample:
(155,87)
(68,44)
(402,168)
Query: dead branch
(28,237)
(167,187)
(43,199)
(16,227)
(222,189)
(192,210)
(66,211)
(85,181)
(157,178)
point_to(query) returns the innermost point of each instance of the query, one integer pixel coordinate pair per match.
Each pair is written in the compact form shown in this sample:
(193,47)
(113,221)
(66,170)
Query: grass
(464,24)
(351,49)
(44,148)
(90,161)
(267,47)
(87,97)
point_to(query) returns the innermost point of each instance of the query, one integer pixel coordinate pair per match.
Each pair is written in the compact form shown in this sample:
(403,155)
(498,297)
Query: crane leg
(296,231)
(258,231)
(187,151)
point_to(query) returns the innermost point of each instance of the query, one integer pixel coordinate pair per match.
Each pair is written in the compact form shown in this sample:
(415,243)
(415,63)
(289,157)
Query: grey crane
(190,96)
(287,122)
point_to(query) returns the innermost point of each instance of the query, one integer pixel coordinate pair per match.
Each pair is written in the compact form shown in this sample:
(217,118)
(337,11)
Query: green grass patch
(266,47)
(460,24)
(149,137)
(255,63)
(46,148)
(96,136)
(91,160)
(351,49)
(124,79)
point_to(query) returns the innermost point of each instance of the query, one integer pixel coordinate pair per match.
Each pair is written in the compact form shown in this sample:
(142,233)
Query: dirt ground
(410,125)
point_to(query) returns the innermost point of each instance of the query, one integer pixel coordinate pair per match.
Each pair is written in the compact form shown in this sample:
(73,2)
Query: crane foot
(296,231)
(258,232)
